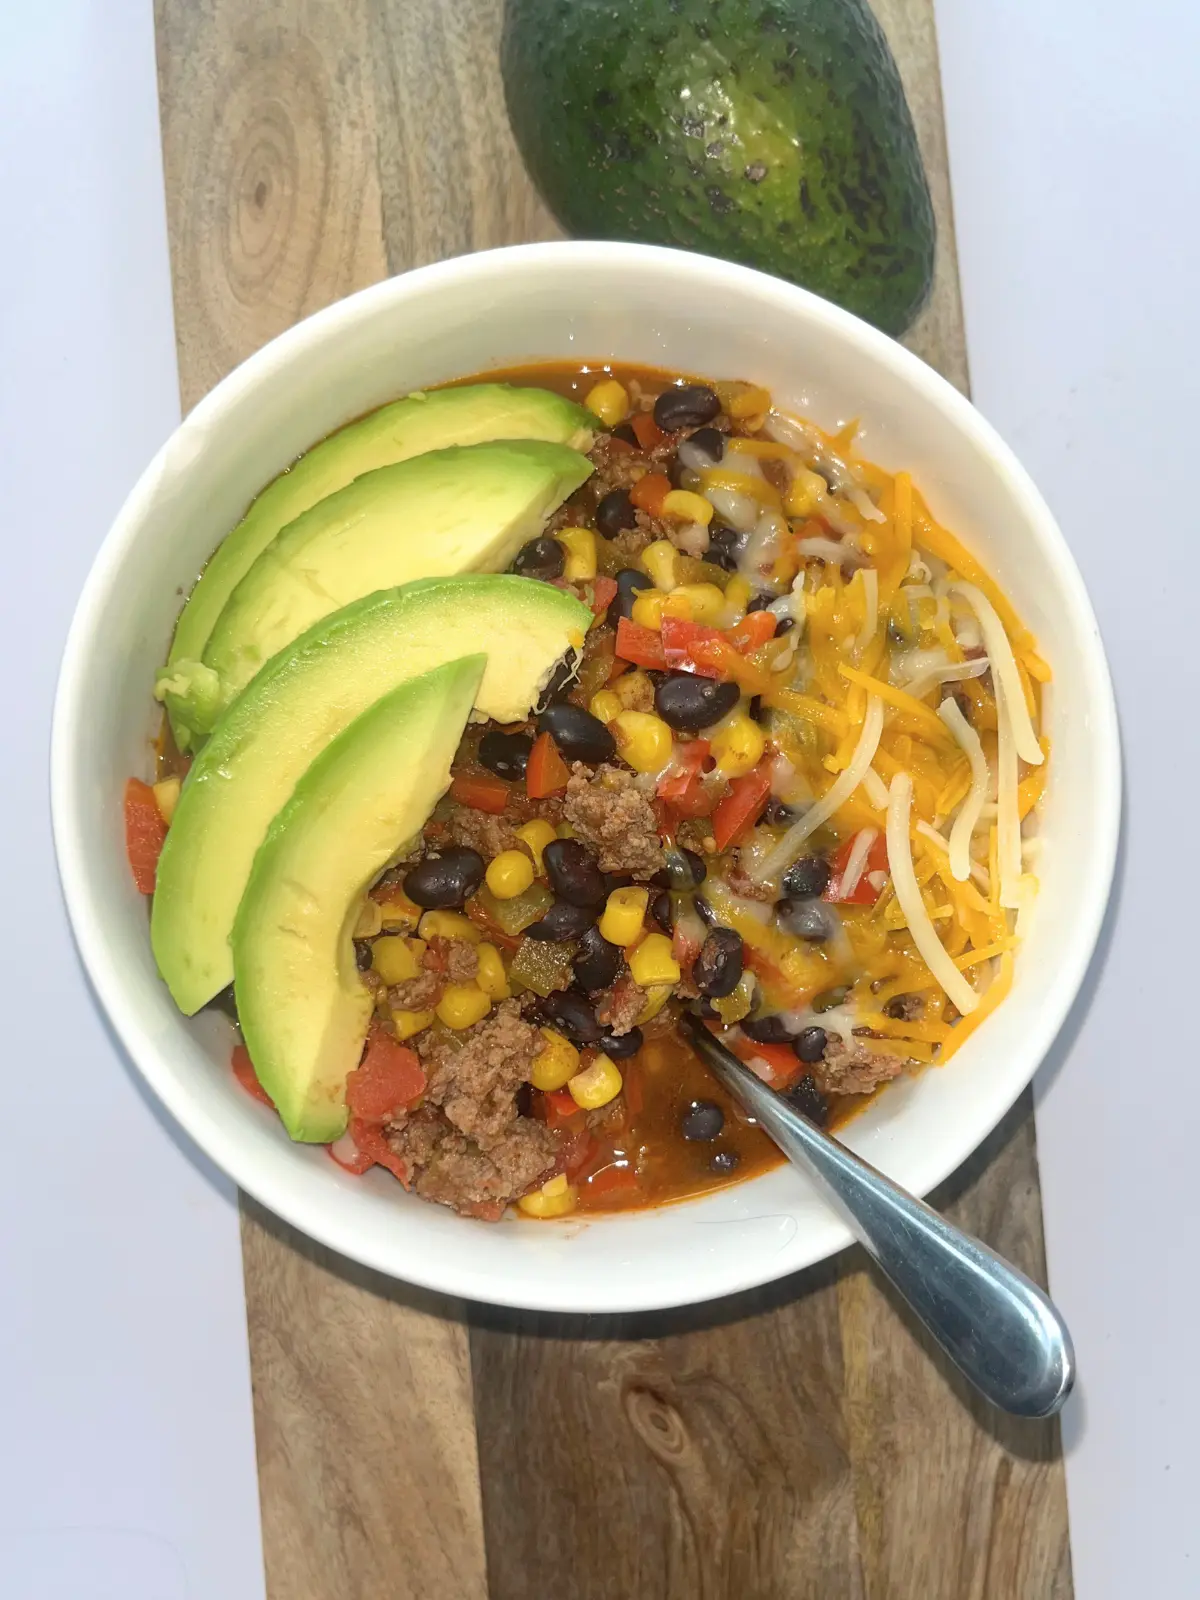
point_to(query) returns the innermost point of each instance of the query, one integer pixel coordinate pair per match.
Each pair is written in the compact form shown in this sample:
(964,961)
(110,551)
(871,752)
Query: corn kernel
(737,744)
(733,1007)
(647,609)
(508,874)
(564,830)
(634,690)
(661,561)
(748,402)
(657,996)
(394,959)
(643,740)
(805,493)
(556,1198)
(688,507)
(580,545)
(448,925)
(166,794)
(738,594)
(608,401)
(759,489)
(696,602)
(597,1084)
(535,836)
(406,1023)
(653,961)
(555,1063)
(490,974)
(463,1005)
(623,915)
(604,705)
(370,920)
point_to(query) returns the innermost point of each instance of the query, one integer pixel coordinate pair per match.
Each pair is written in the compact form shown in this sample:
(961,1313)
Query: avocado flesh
(771,132)
(459,510)
(470,414)
(302,700)
(303,1006)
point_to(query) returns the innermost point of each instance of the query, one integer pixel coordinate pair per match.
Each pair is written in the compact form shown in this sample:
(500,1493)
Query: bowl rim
(85,910)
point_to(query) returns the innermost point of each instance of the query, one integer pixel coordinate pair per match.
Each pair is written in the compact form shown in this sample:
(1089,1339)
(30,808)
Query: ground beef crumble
(611,815)
(443,961)
(853,1068)
(619,1008)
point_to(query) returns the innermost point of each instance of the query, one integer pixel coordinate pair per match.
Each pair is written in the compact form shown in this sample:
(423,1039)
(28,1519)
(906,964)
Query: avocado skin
(770,132)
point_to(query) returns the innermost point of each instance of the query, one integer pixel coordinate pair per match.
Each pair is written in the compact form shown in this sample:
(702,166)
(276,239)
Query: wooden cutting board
(798,1442)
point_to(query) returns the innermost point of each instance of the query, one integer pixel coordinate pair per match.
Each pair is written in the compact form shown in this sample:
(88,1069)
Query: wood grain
(800,1441)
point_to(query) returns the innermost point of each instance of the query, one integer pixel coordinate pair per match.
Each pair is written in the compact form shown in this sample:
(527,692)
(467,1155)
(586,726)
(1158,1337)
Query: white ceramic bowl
(577,301)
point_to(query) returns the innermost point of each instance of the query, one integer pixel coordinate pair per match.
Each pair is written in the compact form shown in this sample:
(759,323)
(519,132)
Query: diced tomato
(648,493)
(604,592)
(547,772)
(780,1061)
(243,1071)
(640,645)
(145,831)
(683,789)
(612,1179)
(374,1149)
(864,893)
(479,790)
(388,1077)
(649,434)
(559,1107)
(755,628)
(348,1156)
(679,639)
(742,806)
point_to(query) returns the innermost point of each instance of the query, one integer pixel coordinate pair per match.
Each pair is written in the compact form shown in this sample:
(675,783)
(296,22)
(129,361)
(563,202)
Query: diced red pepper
(479,790)
(648,493)
(145,831)
(640,645)
(742,806)
(780,1060)
(683,789)
(559,1106)
(243,1071)
(389,1077)
(648,433)
(612,1179)
(755,628)
(547,772)
(604,592)
(864,893)
(679,640)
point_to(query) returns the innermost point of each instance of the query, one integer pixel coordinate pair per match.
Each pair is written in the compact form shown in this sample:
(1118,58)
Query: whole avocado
(771,132)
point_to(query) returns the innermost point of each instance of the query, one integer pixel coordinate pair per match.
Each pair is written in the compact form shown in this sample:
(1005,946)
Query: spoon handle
(997,1326)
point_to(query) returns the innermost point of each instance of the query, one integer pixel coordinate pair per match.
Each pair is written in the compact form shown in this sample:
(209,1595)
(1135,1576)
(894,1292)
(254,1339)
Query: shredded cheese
(908,894)
(870,582)
(1008,817)
(955,672)
(834,797)
(875,789)
(857,860)
(1004,672)
(968,813)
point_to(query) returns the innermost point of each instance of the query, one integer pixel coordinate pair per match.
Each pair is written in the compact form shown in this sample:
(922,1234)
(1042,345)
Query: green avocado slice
(303,1006)
(302,700)
(469,414)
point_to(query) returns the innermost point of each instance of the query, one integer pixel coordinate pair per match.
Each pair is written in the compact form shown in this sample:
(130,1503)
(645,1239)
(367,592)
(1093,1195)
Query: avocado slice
(771,132)
(301,701)
(303,1007)
(457,510)
(434,420)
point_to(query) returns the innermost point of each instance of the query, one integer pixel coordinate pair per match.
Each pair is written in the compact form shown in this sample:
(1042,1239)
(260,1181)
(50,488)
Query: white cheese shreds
(825,549)
(875,789)
(1008,816)
(968,812)
(835,797)
(953,672)
(864,505)
(738,510)
(943,844)
(908,895)
(917,569)
(870,583)
(857,860)
(1004,672)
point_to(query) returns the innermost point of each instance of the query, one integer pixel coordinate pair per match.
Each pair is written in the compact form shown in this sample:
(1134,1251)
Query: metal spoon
(997,1327)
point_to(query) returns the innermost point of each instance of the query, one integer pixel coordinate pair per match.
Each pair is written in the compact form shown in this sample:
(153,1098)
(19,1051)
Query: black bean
(624,430)
(686,873)
(810,1043)
(776,812)
(771,1029)
(718,967)
(702,1121)
(807,878)
(725,1161)
(596,961)
(505,754)
(562,923)
(711,441)
(362,954)
(905,1007)
(725,545)
(614,514)
(661,911)
(809,1100)
(754,709)
(540,558)
(578,734)
(617,880)
(620,1046)
(687,702)
(572,1015)
(686,406)
(629,583)
(438,882)
(784,625)
(572,872)
(704,910)
(761,601)
(560,680)
(808,919)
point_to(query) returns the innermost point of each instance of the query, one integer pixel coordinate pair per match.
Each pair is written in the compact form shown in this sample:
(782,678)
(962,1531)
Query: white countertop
(126,1453)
